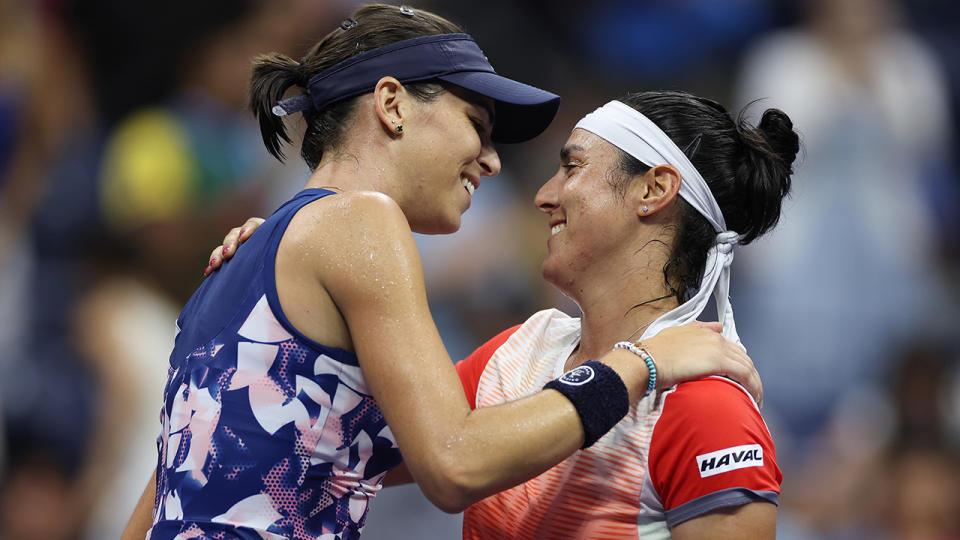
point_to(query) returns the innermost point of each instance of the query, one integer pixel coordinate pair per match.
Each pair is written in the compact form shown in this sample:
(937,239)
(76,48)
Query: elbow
(452,487)
(450,504)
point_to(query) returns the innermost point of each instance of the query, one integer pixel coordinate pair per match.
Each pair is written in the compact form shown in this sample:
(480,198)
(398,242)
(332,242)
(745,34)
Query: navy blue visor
(521,111)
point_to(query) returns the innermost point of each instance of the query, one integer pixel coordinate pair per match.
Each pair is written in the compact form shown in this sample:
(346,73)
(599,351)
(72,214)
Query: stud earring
(644,209)
(400,128)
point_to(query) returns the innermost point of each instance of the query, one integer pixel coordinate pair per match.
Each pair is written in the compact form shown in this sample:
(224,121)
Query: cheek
(463,140)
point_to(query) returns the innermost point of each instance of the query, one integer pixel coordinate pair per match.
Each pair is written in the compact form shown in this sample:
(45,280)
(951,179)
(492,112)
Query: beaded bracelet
(598,394)
(642,353)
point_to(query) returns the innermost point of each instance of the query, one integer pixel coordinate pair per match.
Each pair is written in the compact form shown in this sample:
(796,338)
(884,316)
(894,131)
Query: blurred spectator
(47,400)
(886,466)
(936,21)
(852,271)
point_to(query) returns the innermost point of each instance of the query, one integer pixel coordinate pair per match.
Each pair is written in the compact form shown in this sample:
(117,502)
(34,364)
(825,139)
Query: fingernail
(206,271)
(213,261)
(225,250)
(242,232)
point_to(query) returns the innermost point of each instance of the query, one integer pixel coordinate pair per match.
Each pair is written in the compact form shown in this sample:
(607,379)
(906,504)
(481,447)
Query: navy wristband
(598,394)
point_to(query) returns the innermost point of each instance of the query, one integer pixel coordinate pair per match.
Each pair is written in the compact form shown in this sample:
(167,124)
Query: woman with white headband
(654,192)
(289,363)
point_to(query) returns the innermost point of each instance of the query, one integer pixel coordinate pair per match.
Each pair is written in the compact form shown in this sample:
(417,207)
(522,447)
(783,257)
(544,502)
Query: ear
(390,100)
(655,190)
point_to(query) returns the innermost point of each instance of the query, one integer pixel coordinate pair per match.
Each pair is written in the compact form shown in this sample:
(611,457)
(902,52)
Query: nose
(547,196)
(489,160)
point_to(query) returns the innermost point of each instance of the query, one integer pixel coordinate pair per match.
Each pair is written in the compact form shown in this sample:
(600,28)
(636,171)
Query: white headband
(629,130)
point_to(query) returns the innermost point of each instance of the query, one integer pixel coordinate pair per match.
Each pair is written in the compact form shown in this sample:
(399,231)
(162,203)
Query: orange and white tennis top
(696,447)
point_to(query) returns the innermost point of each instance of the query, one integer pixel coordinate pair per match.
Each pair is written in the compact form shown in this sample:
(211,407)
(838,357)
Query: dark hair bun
(778,130)
(763,174)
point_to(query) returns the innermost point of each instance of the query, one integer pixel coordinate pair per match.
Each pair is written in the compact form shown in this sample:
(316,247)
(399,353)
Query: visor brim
(522,111)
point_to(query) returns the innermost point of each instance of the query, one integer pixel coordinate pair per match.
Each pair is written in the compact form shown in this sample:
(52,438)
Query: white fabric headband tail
(628,129)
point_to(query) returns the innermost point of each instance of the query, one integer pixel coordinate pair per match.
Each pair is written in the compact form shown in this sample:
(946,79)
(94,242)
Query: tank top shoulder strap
(283,216)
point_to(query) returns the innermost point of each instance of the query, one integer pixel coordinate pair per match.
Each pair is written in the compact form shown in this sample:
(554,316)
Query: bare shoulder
(366,202)
(347,223)
(352,237)
(339,257)
(348,211)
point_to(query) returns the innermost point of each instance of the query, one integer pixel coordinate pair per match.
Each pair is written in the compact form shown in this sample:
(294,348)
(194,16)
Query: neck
(363,161)
(345,172)
(616,312)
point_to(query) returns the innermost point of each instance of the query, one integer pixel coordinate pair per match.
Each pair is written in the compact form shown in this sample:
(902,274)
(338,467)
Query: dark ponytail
(747,169)
(273,75)
(369,27)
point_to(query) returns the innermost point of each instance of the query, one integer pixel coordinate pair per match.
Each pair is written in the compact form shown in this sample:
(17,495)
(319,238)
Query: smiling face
(449,151)
(592,227)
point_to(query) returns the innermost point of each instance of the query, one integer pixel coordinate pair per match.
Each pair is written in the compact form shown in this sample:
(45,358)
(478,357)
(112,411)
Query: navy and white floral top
(265,433)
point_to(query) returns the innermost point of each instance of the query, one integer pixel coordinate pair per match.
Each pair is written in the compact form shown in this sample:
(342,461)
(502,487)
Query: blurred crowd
(126,152)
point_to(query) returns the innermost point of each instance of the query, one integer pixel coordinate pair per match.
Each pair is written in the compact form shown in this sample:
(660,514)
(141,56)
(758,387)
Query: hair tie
(303,76)
(348,24)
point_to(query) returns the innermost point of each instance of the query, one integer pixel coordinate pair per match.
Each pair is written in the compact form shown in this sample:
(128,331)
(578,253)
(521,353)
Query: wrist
(598,394)
(634,374)
(643,354)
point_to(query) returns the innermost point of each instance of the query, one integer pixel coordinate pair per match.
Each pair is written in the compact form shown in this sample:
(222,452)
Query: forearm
(142,516)
(494,448)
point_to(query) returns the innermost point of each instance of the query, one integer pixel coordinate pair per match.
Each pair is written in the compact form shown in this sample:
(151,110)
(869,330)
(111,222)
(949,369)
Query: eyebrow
(566,150)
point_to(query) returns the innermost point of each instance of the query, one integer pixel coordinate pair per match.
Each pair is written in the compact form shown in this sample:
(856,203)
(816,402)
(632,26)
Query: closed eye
(569,166)
(479,126)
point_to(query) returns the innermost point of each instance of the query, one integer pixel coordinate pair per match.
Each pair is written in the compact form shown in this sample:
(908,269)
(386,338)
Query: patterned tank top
(265,433)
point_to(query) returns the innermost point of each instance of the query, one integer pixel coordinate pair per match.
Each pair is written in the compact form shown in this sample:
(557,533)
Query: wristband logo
(577,376)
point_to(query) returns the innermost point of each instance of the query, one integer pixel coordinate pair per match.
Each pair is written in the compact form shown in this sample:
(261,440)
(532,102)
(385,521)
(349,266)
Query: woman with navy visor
(289,364)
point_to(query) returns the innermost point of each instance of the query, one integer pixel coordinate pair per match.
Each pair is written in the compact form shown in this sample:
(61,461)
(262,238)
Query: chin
(549,273)
(559,276)
(439,227)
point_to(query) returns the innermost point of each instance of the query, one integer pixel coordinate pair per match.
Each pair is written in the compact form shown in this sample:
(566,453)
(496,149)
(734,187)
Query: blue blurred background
(126,153)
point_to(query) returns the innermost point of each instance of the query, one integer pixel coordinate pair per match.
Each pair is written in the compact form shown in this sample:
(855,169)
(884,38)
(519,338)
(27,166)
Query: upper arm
(711,450)
(747,522)
(370,267)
